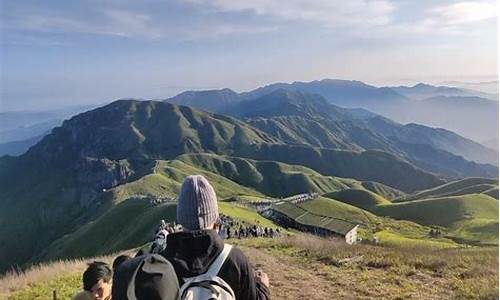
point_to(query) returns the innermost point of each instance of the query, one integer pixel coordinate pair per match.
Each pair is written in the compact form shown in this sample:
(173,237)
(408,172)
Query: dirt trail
(292,280)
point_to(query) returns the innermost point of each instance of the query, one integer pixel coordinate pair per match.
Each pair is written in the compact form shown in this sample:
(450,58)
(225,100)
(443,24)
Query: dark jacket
(191,254)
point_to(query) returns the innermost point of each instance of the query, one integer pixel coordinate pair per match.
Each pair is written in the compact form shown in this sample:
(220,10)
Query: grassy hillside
(335,209)
(364,166)
(269,177)
(359,198)
(129,224)
(454,188)
(383,190)
(321,211)
(443,211)
(308,267)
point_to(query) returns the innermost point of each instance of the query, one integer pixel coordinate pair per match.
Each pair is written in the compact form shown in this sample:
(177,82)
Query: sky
(62,53)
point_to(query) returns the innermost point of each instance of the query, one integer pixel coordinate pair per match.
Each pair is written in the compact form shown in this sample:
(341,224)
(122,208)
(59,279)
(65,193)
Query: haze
(57,53)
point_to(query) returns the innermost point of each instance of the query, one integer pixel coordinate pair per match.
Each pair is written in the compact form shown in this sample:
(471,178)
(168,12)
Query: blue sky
(57,53)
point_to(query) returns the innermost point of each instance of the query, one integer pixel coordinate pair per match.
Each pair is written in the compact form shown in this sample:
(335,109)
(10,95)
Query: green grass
(400,269)
(477,230)
(127,225)
(314,213)
(156,185)
(459,187)
(443,211)
(269,177)
(383,190)
(493,192)
(395,239)
(65,286)
(245,215)
(360,198)
(336,209)
(415,271)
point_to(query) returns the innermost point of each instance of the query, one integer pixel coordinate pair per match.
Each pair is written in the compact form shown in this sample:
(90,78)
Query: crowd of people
(188,259)
(240,230)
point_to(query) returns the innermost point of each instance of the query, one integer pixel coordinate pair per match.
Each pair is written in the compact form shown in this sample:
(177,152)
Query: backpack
(149,276)
(209,286)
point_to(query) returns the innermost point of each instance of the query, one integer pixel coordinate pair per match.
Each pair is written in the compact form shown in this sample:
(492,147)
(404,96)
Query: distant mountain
(72,175)
(478,124)
(211,100)
(436,137)
(302,118)
(422,91)
(20,130)
(490,87)
(491,143)
(344,93)
(26,132)
(18,147)
(472,117)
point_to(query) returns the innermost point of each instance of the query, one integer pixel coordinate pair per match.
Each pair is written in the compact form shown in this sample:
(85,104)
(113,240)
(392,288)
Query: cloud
(158,23)
(331,13)
(108,22)
(465,12)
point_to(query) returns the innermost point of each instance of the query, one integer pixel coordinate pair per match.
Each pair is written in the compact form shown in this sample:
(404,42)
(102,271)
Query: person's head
(161,237)
(197,205)
(147,277)
(97,280)
(119,260)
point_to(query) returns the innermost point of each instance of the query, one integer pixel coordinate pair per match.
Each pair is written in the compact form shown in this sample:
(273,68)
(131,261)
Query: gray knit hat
(197,205)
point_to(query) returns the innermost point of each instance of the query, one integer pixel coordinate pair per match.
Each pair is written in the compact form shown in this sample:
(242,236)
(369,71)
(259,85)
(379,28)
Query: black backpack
(149,276)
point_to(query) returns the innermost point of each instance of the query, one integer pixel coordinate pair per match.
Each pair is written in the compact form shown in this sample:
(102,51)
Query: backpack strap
(219,261)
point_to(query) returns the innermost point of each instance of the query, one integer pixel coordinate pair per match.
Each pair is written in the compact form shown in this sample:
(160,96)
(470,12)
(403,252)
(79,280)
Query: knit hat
(197,205)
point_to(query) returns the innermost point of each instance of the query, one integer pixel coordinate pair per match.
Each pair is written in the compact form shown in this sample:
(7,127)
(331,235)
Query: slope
(455,188)
(360,198)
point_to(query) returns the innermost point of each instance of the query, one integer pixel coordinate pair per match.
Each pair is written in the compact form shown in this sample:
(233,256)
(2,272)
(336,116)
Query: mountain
(423,91)
(490,87)
(20,130)
(472,117)
(479,123)
(491,143)
(438,138)
(455,113)
(302,118)
(18,147)
(344,93)
(211,100)
(457,188)
(100,158)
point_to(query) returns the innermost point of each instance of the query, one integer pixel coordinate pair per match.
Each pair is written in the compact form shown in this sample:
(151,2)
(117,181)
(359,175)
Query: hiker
(96,282)
(119,260)
(145,277)
(198,251)
(160,242)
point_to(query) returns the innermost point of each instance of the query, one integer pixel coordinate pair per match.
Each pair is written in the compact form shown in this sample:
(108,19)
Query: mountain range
(64,180)
(273,144)
(303,118)
(468,112)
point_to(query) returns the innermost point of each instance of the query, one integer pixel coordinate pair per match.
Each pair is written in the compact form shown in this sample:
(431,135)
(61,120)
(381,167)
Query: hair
(119,260)
(96,271)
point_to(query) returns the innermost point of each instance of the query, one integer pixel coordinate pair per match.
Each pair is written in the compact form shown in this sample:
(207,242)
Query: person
(160,241)
(96,282)
(193,250)
(119,260)
(145,277)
